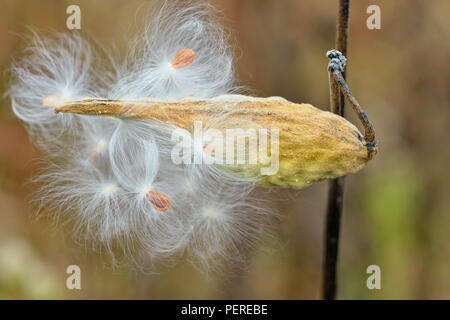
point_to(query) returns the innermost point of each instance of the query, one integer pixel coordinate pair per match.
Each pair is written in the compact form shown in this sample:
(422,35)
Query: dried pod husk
(313,144)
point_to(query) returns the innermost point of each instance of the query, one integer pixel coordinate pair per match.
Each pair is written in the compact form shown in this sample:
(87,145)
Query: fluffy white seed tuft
(114,180)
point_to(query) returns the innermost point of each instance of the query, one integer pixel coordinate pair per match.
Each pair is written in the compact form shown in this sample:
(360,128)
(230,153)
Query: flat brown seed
(52,100)
(159,201)
(183,58)
(93,157)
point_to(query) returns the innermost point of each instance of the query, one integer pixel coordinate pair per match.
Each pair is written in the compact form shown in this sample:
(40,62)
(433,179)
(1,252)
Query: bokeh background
(396,212)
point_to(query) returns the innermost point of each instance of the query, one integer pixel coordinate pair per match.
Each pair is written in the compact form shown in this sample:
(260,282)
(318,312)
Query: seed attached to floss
(160,201)
(100,147)
(183,58)
(93,157)
(52,100)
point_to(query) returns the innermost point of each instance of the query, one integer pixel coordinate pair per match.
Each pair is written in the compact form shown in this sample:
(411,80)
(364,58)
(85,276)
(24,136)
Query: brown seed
(159,201)
(93,157)
(52,100)
(183,58)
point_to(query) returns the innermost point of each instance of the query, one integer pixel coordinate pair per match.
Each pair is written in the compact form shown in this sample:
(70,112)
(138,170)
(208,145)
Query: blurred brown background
(397,210)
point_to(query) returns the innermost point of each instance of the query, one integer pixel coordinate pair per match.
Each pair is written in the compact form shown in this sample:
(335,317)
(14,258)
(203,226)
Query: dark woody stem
(336,186)
(339,92)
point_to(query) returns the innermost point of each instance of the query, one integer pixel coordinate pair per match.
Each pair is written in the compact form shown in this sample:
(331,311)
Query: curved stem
(369,132)
(338,85)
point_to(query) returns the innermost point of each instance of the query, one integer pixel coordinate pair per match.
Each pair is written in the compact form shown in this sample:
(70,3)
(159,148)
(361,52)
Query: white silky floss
(114,179)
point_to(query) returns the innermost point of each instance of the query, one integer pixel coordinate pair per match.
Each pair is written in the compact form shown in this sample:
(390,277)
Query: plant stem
(336,186)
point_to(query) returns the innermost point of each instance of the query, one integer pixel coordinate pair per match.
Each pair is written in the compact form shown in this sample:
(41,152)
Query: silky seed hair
(113,179)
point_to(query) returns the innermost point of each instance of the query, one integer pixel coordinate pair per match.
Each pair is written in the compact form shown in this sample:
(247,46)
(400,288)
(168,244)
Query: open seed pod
(313,144)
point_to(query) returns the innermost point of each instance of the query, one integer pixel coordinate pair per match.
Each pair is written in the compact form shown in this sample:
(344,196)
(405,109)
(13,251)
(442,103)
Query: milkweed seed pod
(116,173)
(313,144)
